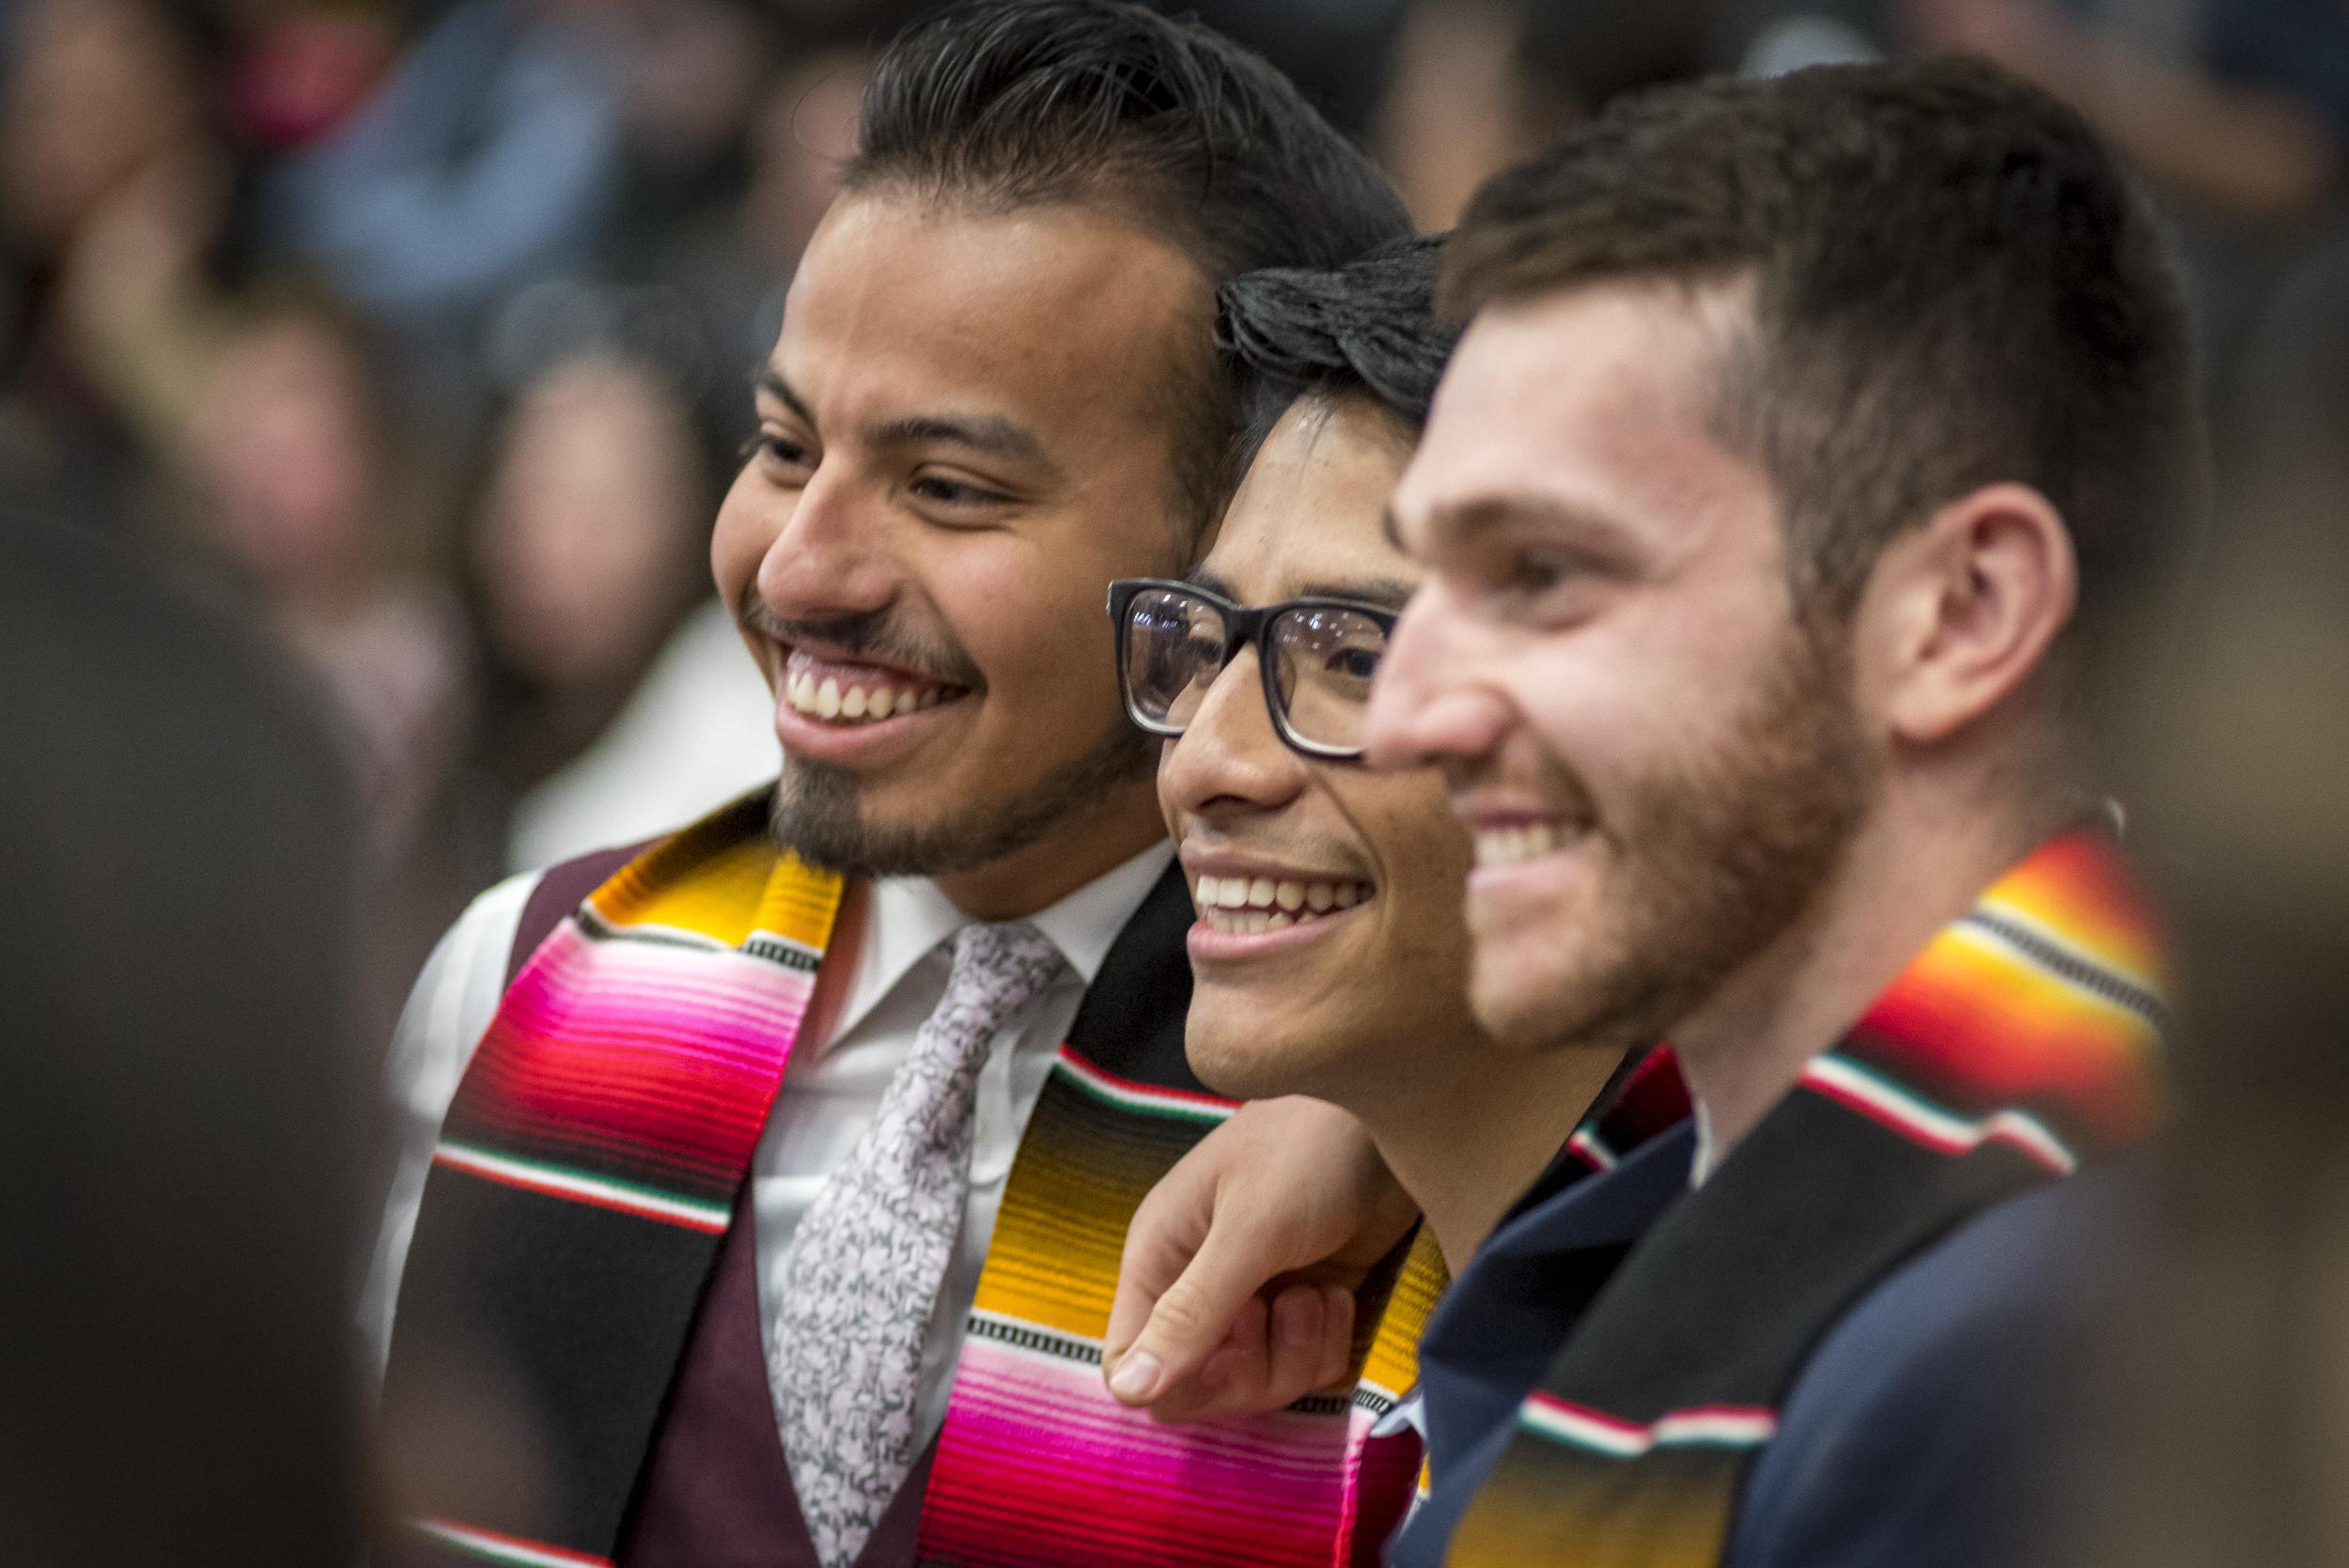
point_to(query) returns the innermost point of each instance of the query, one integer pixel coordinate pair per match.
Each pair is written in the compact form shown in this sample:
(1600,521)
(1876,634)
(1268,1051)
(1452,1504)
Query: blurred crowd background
(416,336)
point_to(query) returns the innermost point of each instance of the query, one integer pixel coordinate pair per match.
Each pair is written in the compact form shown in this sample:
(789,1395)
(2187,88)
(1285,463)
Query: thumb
(1190,1319)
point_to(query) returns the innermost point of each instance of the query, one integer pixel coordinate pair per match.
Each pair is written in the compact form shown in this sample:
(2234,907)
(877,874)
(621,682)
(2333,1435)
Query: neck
(1467,1141)
(1916,864)
(1095,840)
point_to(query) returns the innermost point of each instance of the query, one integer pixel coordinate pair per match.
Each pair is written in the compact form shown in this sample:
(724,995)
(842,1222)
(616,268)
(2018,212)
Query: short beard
(1724,855)
(817,812)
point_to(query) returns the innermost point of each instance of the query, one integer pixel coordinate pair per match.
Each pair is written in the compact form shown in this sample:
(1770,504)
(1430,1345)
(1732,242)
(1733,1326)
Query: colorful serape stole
(1037,1465)
(2019,1044)
(588,1169)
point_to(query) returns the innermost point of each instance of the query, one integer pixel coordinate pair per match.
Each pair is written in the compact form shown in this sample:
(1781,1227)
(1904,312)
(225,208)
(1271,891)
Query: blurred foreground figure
(2217,1426)
(178,1149)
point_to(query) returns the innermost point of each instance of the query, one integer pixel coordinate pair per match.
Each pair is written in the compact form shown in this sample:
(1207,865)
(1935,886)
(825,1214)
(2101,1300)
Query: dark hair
(1368,329)
(1954,284)
(1009,105)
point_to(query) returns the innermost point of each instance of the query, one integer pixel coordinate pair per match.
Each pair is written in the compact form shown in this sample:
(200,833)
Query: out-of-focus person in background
(485,157)
(181,1101)
(114,186)
(293,466)
(1474,85)
(293,462)
(622,704)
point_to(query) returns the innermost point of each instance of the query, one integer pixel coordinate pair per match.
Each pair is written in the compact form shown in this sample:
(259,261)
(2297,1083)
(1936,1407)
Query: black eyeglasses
(1316,657)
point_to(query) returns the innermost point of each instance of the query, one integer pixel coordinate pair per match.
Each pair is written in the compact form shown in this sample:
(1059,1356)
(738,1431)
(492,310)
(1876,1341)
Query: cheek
(1034,628)
(1616,702)
(739,540)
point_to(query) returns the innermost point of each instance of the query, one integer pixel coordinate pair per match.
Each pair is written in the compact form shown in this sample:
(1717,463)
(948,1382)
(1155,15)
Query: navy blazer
(1915,1431)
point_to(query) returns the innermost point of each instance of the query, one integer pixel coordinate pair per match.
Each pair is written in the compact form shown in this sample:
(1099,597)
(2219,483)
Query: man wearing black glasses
(1330,959)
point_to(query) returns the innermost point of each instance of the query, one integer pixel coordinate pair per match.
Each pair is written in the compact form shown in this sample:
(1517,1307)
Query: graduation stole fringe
(2021,1043)
(588,1167)
(1036,1464)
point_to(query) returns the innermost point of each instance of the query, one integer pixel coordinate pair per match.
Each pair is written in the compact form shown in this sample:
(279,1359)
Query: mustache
(871,633)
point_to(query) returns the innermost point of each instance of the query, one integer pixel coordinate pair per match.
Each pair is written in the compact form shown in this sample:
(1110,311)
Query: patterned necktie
(864,1265)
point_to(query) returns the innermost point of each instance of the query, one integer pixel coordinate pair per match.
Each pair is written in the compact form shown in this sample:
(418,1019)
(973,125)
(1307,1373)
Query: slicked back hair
(998,106)
(1368,330)
(1954,284)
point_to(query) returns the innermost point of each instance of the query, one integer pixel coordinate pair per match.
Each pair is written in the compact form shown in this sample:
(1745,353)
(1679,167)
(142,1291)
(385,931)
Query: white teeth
(1246,905)
(1522,842)
(857,703)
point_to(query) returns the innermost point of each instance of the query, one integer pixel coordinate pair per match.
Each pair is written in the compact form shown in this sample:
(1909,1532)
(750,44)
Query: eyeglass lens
(1322,661)
(1321,657)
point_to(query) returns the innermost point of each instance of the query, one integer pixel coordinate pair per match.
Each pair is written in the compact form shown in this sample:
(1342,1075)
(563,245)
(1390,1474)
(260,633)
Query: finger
(1226,1379)
(1337,1336)
(1191,1317)
(1296,1356)
(1161,1242)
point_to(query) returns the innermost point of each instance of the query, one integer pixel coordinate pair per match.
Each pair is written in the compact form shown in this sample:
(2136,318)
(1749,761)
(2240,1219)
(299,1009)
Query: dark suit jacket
(1915,1431)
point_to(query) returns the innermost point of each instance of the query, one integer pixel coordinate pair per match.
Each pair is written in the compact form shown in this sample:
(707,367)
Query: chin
(1519,999)
(1240,1058)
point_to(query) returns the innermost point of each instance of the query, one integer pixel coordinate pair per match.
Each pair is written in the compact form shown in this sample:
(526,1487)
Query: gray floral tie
(863,1273)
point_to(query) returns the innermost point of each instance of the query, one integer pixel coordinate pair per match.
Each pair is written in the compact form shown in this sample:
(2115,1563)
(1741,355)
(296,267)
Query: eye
(777,451)
(1354,663)
(1534,572)
(944,492)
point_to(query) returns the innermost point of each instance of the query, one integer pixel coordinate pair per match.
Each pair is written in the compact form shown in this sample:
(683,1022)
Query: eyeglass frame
(1243,626)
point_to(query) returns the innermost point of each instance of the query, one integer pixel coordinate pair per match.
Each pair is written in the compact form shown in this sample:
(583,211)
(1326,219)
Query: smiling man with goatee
(762,1187)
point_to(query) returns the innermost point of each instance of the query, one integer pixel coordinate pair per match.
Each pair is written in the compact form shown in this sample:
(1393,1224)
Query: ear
(1960,612)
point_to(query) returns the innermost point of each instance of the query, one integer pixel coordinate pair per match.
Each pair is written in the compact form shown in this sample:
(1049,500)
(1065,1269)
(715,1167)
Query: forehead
(1307,514)
(1601,400)
(1061,318)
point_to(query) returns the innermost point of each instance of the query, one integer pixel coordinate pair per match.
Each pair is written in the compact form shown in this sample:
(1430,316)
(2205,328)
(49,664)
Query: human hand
(1237,1286)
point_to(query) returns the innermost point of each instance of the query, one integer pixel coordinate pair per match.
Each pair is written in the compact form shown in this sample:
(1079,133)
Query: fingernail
(1136,1377)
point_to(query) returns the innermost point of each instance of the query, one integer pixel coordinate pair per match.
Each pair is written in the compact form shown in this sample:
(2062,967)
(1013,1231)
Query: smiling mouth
(1246,906)
(843,694)
(1515,842)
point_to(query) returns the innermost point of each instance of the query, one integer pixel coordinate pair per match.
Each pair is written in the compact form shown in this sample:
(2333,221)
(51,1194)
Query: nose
(1228,762)
(1428,706)
(823,550)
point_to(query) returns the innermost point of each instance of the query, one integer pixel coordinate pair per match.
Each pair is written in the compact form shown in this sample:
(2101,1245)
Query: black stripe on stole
(491,1325)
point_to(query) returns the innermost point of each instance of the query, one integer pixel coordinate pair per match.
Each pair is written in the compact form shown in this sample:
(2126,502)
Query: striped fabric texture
(586,1179)
(2022,1043)
(1037,1465)
(588,1169)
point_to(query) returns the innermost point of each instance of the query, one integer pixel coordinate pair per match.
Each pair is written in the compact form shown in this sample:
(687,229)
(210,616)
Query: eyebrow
(988,435)
(1386,593)
(771,384)
(1599,535)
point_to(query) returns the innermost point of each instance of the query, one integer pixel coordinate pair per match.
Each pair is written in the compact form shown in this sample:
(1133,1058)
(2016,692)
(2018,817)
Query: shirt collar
(909,917)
